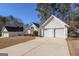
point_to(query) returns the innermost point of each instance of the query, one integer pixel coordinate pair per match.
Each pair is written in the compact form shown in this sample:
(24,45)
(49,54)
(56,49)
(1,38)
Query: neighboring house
(31,28)
(54,27)
(8,31)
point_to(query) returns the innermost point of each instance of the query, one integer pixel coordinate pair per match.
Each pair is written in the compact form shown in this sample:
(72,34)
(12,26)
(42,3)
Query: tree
(64,8)
(13,21)
(74,18)
(57,9)
(3,19)
(44,11)
(10,21)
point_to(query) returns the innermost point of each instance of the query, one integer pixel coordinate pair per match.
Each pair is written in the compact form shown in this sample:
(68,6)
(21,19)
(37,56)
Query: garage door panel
(48,33)
(59,33)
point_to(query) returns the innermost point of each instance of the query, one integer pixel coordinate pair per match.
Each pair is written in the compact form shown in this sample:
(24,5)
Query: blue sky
(26,12)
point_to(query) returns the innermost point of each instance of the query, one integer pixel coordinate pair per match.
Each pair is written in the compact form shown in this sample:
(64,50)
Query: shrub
(35,33)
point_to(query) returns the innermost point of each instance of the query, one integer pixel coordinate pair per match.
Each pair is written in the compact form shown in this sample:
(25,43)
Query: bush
(35,33)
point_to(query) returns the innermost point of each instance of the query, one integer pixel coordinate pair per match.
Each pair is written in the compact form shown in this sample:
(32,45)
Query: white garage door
(60,33)
(48,33)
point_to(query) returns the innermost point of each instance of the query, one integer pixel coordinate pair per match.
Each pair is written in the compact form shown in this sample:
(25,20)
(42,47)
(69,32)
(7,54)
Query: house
(31,28)
(8,31)
(54,27)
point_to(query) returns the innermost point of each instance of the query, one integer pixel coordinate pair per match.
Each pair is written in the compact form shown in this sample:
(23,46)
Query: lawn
(6,42)
(73,44)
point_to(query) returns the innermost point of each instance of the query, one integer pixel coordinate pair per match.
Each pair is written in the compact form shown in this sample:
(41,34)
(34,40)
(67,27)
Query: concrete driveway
(39,47)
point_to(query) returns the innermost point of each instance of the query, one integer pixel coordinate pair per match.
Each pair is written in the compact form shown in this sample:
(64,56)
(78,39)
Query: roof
(36,24)
(14,29)
(51,18)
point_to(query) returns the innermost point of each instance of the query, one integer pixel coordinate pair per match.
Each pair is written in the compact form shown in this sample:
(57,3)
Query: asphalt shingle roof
(14,29)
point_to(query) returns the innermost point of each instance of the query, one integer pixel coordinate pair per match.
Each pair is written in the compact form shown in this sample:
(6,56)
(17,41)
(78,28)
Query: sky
(24,11)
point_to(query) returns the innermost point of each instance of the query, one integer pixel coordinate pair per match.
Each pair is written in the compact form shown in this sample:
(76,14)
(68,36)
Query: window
(32,28)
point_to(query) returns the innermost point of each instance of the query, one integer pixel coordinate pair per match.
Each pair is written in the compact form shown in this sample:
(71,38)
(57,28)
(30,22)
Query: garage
(54,27)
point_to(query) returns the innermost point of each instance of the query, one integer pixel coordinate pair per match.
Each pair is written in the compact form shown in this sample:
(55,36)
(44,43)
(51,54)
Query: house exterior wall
(30,31)
(35,27)
(5,33)
(11,34)
(25,31)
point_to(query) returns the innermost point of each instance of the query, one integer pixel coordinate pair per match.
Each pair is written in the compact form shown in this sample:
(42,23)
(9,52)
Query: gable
(34,26)
(53,22)
(4,29)
(29,27)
